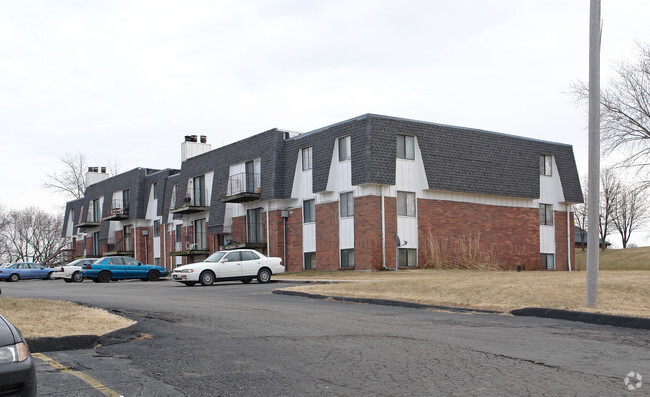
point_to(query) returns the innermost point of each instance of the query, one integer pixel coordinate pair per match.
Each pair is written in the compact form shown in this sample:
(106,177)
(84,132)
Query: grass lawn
(617,259)
(40,317)
(620,292)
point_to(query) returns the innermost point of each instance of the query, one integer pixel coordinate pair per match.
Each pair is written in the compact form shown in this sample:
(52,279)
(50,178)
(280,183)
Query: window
(199,191)
(127,231)
(548,261)
(233,257)
(96,214)
(155,191)
(347,258)
(310,261)
(178,233)
(545,165)
(254,225)
(306,159)
(126,197)
(156,228)
(346,202)
(156,261)
(249,256)
(96,244)
(199,233)
(405,203)
(405,147)
(172,202)
(253,171)
(344,148)
(546,214)
(308,211)
(408,257)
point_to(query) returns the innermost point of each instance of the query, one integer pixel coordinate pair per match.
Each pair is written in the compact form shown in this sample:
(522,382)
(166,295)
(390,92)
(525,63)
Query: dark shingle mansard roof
(455,159)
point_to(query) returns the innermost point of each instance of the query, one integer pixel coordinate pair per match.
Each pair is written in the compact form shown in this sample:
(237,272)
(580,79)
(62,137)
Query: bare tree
(629,211)
(580,215)
(70,180)
(609,192)
(625,110)
(31,235)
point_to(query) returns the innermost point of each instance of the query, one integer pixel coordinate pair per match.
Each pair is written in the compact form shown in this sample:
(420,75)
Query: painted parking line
(94,383)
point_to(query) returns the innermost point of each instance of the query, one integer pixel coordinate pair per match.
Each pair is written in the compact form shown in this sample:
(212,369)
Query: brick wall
(561,241)
(367,233)
(239,229)
(390,220)
(294,241)
(510,234)
(327,236)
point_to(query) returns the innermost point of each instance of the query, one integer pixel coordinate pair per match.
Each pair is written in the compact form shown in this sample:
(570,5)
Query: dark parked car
(25,270)
(17,370)
(121,267)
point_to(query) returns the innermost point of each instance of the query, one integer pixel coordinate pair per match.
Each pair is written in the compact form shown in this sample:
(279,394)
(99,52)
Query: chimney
(94,176)
(192,147)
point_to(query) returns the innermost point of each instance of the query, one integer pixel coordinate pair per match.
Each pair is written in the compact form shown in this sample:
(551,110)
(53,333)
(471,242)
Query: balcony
(119,211)
(123,247)
(189,249)
(241,188)
(190,207)
(87,225)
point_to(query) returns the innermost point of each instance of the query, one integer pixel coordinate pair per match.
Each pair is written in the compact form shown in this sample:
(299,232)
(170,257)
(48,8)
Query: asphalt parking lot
(237,339)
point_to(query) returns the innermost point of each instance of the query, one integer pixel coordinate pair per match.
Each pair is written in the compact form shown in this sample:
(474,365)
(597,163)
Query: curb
(72,342)
(385,302)
(78,342)
(584,317)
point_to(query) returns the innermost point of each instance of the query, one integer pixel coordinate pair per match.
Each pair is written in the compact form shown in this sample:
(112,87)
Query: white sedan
(242,264)
(71,272)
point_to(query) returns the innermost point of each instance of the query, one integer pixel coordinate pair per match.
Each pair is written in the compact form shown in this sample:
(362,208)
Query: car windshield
(216,257)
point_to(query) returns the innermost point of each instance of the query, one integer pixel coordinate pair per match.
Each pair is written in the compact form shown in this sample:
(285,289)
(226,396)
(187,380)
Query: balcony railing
(185,248)
(118,211)
(240,188)
(191,205)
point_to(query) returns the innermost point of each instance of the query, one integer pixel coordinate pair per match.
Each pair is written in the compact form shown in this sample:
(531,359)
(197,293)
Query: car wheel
(189,283)
(49,276)
(77,277)
(207,278)
(154,275)
(104,276)
(67,280)
(264,276)
(246,280)
(14,277)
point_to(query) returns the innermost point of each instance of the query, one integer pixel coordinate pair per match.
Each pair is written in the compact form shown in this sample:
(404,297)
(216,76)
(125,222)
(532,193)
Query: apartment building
(337,198)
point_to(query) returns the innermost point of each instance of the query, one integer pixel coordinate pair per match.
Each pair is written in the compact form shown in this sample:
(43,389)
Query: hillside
(618,259)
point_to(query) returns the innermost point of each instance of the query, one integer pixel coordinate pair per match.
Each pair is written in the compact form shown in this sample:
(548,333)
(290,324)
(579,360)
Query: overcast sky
(126,80)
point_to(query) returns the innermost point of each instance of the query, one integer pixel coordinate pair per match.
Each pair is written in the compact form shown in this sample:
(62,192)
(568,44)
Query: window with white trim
(310,261)
(548,261)
(347,258)
(406,147)
(546,214)
(307,158)
(308,211)
(405,203)
(346,203)
(345,152)
(156,228)
(545,165)
(408,257)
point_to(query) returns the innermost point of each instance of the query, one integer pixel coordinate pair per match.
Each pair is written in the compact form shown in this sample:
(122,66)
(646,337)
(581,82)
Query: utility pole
(594,155)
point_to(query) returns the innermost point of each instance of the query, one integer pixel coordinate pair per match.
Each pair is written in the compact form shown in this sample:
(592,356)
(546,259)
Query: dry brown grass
(465,252)
(622,293)
(40,317)
(617,259)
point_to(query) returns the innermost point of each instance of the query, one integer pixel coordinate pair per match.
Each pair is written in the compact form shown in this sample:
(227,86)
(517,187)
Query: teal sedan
(121,268)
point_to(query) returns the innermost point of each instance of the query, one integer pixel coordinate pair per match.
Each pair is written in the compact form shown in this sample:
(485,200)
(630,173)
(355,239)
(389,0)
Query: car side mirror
(224,260)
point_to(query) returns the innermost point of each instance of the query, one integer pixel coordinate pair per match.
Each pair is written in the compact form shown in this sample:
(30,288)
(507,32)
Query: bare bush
(467,252)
